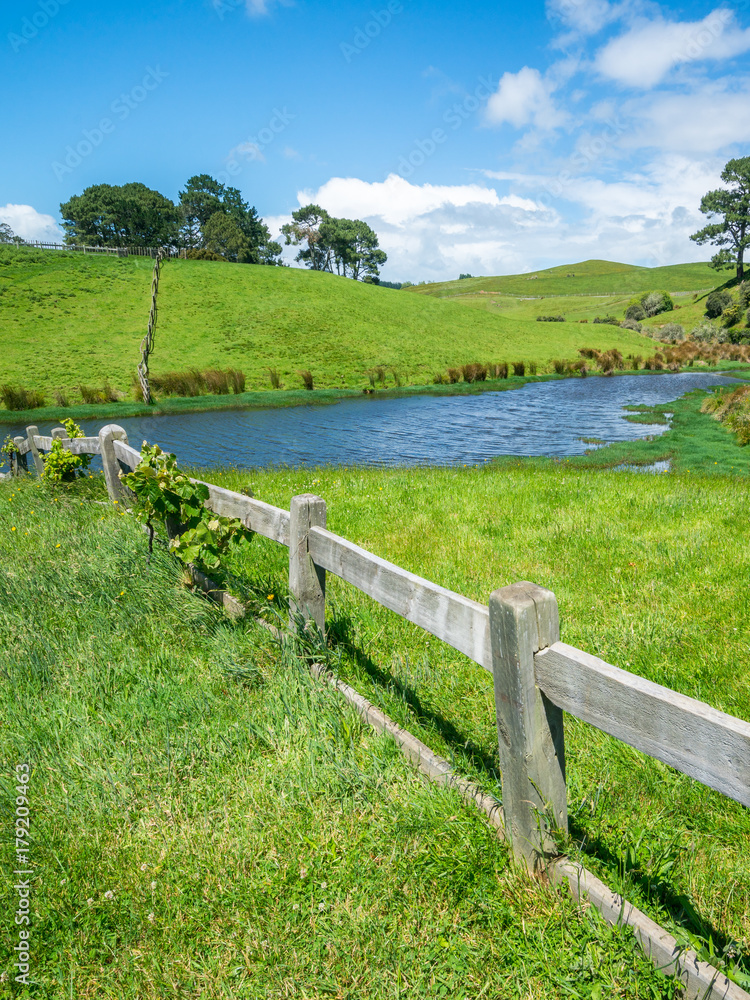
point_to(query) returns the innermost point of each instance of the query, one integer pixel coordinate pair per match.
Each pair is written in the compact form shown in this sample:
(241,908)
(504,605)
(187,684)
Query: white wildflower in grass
(295,906)
(153,886)
(89,902)
(109,894)
(321,907)
(144,867)
(151,918)
(323,885)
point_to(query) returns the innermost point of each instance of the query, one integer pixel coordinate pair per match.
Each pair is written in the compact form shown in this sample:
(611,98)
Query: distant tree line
(213,221)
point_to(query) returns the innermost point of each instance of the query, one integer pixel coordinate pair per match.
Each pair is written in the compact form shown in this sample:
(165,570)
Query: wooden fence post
(115,488)
(523,620)
(38,462)
(307,582)
(60,433)
(18,462)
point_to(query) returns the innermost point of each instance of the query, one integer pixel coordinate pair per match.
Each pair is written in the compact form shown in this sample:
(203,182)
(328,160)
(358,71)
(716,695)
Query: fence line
(147,344)
(536,678)
(113,251)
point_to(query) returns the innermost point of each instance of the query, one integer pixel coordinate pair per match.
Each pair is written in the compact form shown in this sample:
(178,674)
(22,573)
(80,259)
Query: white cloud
(29,224)
(645,54)
(704,122)
(584,16)
(524,98)
(394,200)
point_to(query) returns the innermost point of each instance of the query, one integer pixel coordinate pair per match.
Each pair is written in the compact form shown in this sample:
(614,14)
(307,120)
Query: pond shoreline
(283,398)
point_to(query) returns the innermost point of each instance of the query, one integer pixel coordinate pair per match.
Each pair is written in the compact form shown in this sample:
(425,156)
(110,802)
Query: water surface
(540,418)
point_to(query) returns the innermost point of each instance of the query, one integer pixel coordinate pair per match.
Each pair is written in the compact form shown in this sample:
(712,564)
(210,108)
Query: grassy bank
(208,822)
(68,319)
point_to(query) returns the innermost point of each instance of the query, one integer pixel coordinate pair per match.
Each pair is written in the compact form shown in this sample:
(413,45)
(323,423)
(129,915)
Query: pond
(540,418)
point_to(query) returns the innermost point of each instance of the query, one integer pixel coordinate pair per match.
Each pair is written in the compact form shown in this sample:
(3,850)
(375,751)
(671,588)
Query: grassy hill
(68,319)
(590,277)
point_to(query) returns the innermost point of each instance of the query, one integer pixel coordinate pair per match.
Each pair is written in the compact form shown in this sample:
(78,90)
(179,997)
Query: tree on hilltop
(7,235)
(348,246)
(732,204)
(209,209)
(108,215)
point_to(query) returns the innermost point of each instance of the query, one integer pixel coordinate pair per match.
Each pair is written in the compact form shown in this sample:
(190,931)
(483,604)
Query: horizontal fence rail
(687,734)
(516,638)
(112,251)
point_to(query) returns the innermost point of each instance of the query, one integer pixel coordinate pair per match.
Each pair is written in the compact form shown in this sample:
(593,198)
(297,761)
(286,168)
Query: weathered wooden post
(107,436)
(38,462)
(18,463)
(307,582)
(523,620)
(60,433)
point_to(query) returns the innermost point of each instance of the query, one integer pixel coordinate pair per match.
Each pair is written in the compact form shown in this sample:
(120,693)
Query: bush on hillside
(732,314)
(611,320)
(631,324)
(657,302)
(202,253)
(671,333)
(635,312)
(550,319)
(717,302)
(708,333)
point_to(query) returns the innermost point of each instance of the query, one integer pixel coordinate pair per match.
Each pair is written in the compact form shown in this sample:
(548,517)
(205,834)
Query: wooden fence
(112,251)
(536,678)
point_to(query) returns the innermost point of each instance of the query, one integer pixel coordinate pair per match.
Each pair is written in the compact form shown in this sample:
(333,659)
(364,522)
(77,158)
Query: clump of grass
(380,373)
(61,397)
(217,381)
(307,379)
(275,378)
(519,368)
(474,372)
(396,377)
(454,375)
(194,382)
(15,397)
(501,371)
(732,408)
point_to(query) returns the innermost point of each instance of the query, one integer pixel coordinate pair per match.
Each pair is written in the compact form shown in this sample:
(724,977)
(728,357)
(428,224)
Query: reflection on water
(542,418)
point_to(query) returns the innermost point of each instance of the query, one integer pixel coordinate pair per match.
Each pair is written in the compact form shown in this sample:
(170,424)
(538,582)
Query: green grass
(590,277)
(69,319)
(209,822)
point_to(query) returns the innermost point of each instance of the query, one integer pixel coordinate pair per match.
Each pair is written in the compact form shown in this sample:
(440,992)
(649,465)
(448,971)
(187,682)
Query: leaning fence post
(18,461)
(59,433)
(307,582)
(523,620)
(107,436)
(38,462)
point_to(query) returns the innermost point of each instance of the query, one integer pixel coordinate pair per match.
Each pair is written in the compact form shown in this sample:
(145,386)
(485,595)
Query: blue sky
(489,138)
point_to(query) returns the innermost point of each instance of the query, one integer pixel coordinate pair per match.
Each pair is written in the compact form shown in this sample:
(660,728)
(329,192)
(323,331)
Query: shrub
(707,332)
(717,302)
(519,368)
(501,371)
(437,380)
(60,465)
(636,361)
(657,302)
(18,398)
(550,319)
(202,253)
(671,333)
(588,352)
(744,294)
(307,379)
(559,367)
(612,320)
(732,314)
(631,324)
(454,375)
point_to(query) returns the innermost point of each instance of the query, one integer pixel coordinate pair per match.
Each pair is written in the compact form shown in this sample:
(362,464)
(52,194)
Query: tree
(203,199)
(108,215)
(732,233)
(223,236)
(305,228)
(7,235)
(349,246)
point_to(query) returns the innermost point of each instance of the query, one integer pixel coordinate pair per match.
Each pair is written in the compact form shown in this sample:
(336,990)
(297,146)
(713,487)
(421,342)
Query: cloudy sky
(487,138)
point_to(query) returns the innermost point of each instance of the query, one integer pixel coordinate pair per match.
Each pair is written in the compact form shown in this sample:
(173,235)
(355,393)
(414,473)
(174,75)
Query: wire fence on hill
(110,251)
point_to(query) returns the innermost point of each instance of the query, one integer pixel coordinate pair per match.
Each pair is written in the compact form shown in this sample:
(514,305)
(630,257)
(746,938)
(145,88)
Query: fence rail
(516,638)
(112,251)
